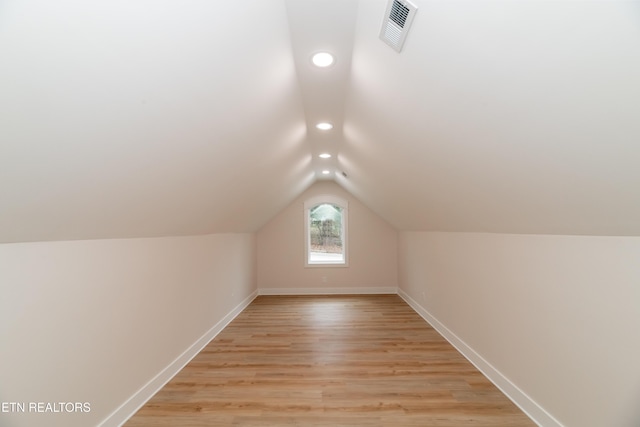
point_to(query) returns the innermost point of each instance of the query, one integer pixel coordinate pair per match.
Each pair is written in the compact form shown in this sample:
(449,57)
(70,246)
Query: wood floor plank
(329,361)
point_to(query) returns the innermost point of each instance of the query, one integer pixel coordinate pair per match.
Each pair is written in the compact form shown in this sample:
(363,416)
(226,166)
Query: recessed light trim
(325,156)
(326,172)
(324,126)
(322,59)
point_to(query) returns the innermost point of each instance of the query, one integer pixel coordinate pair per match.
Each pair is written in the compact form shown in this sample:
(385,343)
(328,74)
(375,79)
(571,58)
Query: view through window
(326,232)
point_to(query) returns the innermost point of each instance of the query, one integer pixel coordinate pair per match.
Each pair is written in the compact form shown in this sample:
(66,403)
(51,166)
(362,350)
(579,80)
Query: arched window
(326,231)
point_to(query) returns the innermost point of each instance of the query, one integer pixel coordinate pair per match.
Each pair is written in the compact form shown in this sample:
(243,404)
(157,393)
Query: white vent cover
(397,21)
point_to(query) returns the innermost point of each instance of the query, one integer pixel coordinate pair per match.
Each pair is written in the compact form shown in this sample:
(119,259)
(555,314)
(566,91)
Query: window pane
(326,234)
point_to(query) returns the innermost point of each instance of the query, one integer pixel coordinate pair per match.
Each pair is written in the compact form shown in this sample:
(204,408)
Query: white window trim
(318,200)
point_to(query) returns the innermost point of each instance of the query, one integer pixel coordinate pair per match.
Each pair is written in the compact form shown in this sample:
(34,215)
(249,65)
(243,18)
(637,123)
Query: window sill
(326,264)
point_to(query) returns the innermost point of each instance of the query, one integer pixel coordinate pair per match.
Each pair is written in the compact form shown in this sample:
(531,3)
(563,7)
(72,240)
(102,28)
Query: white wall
(372,250)
(558,316)
(94,321)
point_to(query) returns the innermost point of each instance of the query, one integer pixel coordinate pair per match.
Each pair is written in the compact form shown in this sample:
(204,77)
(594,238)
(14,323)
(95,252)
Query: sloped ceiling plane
(148,118)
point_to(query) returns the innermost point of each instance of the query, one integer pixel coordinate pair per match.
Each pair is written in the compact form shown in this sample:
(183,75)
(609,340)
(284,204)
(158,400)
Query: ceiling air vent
(397,21)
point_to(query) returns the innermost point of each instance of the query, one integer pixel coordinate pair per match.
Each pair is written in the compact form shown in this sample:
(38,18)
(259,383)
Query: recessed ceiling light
(325,155)
(324,126)
(322,59)
(326,172)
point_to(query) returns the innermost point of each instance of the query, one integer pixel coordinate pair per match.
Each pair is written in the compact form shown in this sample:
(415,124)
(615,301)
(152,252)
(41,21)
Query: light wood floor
(329,361)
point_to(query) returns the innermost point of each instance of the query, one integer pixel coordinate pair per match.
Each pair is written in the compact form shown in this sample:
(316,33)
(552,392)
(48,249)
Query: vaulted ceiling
(154,118)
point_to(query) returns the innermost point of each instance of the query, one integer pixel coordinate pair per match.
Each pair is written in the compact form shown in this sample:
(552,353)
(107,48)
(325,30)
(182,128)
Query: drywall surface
(558,316)
(498,116)
(372,250)
(127,119)
(94,321)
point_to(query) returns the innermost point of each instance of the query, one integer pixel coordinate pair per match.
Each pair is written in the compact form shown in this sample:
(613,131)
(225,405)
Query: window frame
(310,204)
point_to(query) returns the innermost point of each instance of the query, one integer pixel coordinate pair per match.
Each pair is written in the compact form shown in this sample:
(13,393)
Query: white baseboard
(135,402)
(517,396)
(329,291)
(522,400)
